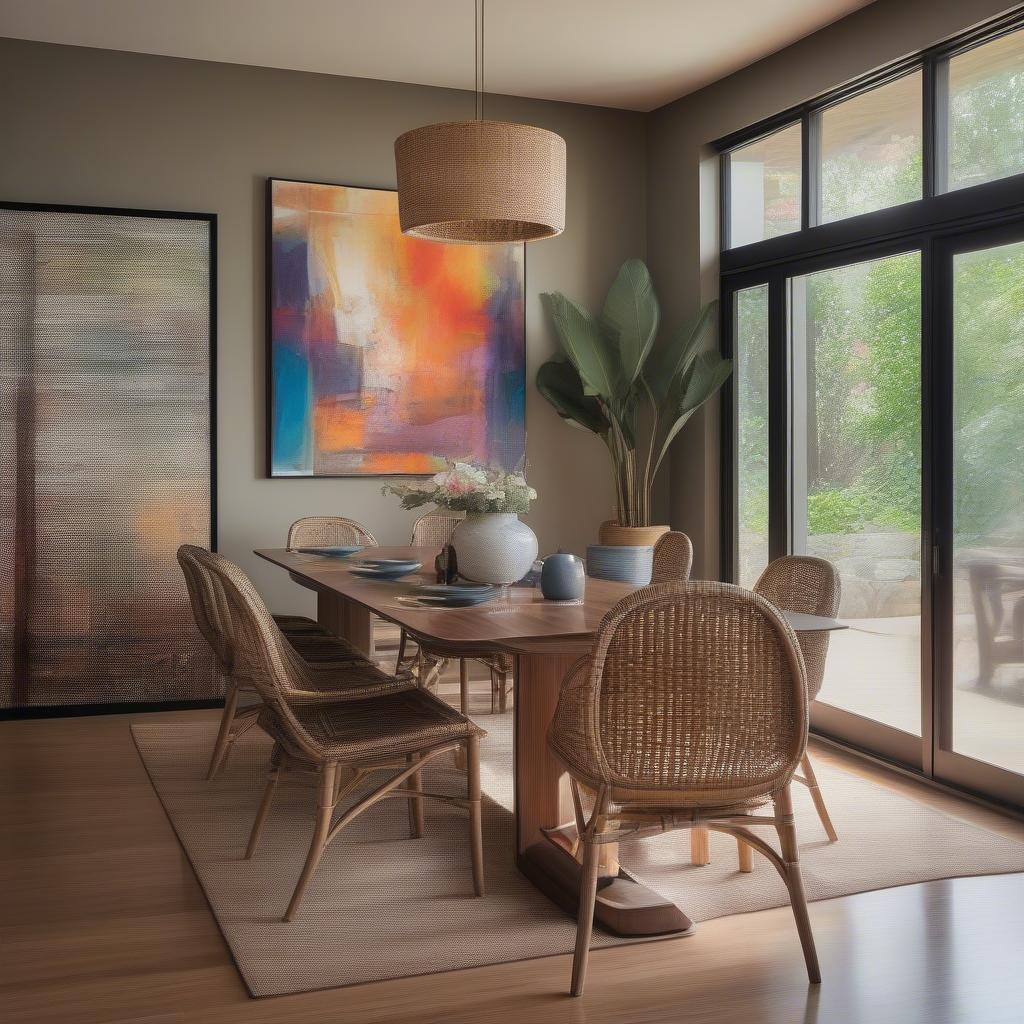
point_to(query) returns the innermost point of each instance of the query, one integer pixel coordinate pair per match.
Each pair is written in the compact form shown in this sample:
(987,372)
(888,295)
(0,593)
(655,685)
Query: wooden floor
(101,919)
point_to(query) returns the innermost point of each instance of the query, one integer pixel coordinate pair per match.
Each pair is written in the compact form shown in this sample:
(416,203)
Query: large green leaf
(559,382)
(708,373)
(668,365)
(631,316)
(585,343)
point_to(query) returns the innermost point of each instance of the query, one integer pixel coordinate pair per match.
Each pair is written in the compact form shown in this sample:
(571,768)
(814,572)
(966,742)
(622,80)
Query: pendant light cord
(478,76)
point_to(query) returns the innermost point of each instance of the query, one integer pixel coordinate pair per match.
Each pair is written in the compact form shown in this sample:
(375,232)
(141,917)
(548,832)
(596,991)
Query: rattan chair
(320,531)
(335,669)
(434,529)
(344,742)
(673,558)
(798,583)
(801,583)
(691,711)
(324,531)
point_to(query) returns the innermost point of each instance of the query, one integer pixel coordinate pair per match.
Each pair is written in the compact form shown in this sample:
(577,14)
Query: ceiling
(636,55)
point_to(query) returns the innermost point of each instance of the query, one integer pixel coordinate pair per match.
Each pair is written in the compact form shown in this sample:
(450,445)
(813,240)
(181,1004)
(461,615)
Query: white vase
(494,547)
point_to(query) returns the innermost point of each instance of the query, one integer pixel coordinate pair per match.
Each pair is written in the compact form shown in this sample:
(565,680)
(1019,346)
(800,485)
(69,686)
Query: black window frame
(929,225)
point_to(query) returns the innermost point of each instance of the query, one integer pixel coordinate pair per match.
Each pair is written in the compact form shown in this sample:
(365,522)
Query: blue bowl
(621,564)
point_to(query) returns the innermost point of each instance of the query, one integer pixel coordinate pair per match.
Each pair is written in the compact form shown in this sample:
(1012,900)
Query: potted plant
(611,379)
(491,544)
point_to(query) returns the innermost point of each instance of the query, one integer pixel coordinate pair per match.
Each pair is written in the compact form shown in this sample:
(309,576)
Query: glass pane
(988,489)
(856,336)
(986,112)
(751,333)
(871,150)
(764,188)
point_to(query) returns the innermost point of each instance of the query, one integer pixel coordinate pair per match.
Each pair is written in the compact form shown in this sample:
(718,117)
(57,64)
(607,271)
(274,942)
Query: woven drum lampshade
(481,181)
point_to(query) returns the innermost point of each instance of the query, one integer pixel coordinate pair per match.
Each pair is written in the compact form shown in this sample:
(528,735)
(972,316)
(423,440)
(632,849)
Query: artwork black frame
(268,343)
(123,707)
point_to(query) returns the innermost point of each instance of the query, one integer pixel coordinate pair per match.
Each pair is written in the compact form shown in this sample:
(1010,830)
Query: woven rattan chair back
(435,529)
(209,606)
(325,531)
(269,663)
(800,583)
(673,558)
(695,688)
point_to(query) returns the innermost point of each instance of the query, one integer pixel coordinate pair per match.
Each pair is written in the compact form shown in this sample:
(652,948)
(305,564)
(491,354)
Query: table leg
(543,851)
(346,619)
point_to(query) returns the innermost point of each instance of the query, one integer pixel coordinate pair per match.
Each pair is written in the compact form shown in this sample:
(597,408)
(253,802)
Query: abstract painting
(388,354)
(106,371)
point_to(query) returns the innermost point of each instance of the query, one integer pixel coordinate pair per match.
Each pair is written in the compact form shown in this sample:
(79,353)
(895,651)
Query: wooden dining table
(545,638)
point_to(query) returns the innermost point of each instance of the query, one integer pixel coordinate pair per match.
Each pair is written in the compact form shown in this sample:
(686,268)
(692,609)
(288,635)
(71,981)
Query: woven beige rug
(383,906)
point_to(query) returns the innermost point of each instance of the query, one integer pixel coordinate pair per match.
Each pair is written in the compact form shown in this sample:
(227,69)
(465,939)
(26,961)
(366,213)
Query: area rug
(384,906)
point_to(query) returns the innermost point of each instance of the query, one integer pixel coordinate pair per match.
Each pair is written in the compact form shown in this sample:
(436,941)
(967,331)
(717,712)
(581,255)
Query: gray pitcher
(562,577)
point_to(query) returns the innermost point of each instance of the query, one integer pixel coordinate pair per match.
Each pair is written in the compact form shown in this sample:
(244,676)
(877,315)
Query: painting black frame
(127,707)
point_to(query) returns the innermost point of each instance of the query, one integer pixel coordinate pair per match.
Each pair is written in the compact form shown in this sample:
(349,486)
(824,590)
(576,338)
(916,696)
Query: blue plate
(455,600)
(338,551)
(391,572)
(386,563)
(456,589)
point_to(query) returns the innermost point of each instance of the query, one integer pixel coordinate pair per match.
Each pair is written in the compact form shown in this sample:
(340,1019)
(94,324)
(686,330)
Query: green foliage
(610,369)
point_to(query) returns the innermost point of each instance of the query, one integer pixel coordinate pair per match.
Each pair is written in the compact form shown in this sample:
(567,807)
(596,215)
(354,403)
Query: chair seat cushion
(656,800)
(319,647)
(352,679)
(289,624)
(499,660)
(394,723)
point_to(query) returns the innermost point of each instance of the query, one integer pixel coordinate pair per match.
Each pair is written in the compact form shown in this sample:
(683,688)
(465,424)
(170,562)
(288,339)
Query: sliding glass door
(828,442)
(981,701)
(855,416)
(877,421)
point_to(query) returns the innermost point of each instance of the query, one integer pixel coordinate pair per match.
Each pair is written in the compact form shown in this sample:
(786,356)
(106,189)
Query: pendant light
(480,181)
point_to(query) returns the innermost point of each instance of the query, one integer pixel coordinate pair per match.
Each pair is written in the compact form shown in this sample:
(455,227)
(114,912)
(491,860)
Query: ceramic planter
(494,547)
(631,536)
(626,564)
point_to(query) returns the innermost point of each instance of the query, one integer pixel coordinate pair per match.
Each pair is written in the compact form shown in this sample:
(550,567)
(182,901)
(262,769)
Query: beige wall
(683,190)
(101,128)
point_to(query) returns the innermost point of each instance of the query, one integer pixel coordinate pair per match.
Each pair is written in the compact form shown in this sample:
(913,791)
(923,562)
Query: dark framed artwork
(387,354)
(107,374)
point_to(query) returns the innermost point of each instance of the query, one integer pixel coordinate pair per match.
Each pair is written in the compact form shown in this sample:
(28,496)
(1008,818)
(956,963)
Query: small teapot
(563,577)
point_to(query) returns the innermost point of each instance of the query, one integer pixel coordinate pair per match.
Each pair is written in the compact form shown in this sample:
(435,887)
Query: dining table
(545,638)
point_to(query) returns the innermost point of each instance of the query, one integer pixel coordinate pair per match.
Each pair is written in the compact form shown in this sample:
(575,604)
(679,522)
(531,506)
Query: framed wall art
(387,354)
(107,327)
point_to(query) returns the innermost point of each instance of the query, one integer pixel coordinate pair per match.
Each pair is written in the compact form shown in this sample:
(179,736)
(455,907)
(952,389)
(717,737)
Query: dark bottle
(452,565)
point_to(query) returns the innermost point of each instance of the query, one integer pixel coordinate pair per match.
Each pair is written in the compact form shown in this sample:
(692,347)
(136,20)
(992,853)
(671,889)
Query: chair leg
(819,800)
(224,737)
(746,856)
(475,822)
(700,846)
(402,639)
(585,919)
(325,811)
(268,797)
(415,805)
(795,884)
(503,692)
(495,683)
(464,686)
